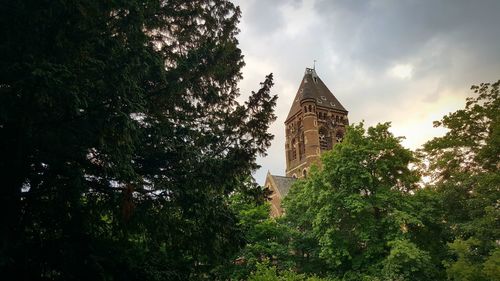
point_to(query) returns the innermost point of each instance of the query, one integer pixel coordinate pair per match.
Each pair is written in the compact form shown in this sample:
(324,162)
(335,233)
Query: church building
(315,123)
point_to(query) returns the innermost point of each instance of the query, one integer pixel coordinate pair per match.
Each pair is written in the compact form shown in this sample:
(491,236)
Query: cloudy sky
(405,61)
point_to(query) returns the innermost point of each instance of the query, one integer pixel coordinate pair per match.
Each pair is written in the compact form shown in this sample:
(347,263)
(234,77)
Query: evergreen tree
(121,138)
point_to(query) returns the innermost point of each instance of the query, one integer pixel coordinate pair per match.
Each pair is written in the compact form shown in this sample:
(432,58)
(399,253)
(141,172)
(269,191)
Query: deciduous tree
(359,208)
(465,166)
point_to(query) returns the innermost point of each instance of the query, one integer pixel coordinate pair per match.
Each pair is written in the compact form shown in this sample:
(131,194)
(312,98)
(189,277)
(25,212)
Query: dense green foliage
(121,138)
(464,165)
(264,272)
(264,238)
(360,210)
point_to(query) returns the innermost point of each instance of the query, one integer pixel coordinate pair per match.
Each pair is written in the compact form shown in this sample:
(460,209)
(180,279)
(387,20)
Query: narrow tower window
(325,140)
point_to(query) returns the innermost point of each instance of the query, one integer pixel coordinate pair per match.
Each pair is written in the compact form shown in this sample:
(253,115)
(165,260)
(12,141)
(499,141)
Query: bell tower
(315,123)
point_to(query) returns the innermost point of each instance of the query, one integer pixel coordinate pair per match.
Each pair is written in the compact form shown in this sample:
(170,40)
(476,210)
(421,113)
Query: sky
(408,62)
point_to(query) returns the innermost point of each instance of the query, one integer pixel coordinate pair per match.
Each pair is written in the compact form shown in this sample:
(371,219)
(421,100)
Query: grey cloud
(450,44)
(264,17)
(383,31)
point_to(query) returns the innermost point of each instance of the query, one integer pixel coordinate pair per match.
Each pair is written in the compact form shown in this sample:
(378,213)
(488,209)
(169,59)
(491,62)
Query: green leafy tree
(299,218)
(406,262)
(464,165)
(265,239)
(121,138)
(359,207)
(264,272)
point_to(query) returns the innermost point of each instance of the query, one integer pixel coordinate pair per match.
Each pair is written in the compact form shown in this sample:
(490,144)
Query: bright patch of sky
(401,71)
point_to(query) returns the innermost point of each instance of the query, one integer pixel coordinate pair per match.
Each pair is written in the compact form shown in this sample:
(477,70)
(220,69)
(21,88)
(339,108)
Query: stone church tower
(315,123)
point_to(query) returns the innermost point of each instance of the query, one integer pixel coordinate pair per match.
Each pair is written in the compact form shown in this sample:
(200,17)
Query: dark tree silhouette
(121,138)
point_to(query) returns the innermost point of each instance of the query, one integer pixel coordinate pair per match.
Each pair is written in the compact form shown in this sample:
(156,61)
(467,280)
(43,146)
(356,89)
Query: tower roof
(312,87)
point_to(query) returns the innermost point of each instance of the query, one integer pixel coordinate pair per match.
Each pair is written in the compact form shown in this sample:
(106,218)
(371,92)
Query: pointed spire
(312,87)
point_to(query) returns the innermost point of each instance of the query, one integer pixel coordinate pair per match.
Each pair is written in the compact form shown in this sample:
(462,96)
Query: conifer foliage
(121,138)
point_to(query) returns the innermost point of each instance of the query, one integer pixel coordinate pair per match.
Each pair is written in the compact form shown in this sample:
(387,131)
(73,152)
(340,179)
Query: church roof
(283,184)
(312,87)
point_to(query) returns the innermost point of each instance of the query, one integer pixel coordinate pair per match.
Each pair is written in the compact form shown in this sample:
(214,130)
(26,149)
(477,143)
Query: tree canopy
(121,138)
(464,165)
(359,209)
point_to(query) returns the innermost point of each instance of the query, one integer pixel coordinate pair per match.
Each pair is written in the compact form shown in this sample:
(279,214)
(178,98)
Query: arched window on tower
(339,136)
(293,155)
(325,140)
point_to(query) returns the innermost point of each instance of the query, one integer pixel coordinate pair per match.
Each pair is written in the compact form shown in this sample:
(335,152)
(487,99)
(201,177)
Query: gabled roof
(312,87)
(283,184)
